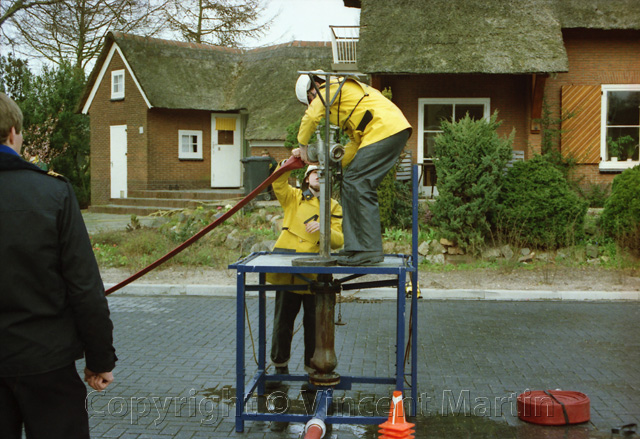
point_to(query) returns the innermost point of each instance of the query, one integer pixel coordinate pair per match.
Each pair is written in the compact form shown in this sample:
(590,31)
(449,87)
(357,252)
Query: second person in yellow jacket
(300,233)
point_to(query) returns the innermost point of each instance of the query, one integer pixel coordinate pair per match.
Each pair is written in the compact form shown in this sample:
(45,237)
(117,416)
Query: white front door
(226,151)
(118,148)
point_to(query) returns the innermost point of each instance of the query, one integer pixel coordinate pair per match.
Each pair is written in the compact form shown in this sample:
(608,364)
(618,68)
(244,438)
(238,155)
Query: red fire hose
(553,407)
(291,164)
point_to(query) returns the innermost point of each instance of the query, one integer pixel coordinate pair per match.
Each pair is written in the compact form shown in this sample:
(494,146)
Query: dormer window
(117,84)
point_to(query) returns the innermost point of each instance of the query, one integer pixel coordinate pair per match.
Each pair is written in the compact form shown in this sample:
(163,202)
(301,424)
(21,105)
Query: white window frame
(117,94)
(606,164)
(455,101)
(428,190)
(190,155)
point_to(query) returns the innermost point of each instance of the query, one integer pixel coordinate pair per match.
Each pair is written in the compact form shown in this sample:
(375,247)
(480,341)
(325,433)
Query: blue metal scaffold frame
(395,266)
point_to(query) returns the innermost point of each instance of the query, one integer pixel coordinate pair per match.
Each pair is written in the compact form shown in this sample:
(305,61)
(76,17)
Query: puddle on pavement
(430,426)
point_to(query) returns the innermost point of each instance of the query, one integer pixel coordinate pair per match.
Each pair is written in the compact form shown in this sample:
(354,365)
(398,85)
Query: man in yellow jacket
(300,233)
(378,132)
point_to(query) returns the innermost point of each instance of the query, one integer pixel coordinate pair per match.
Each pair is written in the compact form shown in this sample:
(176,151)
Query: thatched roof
(479,36)
(598,14)
(180,75)
(267,81)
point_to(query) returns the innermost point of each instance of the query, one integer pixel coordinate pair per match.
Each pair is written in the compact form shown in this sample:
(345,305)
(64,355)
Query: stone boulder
(436,259)
(491,254)
(423,249)
(233,241)
(436,248)
(506,251)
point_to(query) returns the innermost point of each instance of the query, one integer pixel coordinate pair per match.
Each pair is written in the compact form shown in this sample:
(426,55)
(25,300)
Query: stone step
(128,210)
(195,194)
(162,203)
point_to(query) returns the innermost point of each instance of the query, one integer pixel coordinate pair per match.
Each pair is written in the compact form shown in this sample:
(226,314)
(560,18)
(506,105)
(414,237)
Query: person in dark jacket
(53,310)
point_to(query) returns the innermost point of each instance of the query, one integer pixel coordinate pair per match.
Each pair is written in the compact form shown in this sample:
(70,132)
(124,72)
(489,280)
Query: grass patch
(138,248)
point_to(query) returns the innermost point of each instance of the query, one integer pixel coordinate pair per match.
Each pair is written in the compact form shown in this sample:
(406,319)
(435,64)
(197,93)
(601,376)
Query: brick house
(443,58)
(190,112)
(171,115)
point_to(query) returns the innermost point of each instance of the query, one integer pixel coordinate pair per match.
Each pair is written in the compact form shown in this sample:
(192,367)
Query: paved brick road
(176,372)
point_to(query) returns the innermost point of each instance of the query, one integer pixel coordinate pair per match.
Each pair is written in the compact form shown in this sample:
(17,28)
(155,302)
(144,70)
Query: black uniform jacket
(52,303)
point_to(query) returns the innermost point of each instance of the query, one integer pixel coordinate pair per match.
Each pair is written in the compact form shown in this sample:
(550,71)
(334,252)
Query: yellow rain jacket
(362,112)
(299,208)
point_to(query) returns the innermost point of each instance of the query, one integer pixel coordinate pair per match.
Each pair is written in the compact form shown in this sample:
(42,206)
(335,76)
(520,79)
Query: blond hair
(10,116)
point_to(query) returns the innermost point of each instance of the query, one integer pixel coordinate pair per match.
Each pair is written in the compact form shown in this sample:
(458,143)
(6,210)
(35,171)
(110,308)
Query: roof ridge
(190,45)
(185,44)
(295,43)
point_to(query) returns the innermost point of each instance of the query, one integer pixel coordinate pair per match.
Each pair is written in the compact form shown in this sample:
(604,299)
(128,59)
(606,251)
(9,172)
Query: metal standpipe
(324,359)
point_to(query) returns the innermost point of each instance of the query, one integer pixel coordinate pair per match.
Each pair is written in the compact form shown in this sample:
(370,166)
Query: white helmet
(303,85)
(309,170)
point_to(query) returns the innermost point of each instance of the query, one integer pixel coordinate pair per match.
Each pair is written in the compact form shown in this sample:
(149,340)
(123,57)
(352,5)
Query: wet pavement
(176,373)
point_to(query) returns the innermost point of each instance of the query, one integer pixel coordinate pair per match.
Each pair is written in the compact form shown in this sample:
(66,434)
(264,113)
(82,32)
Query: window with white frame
(117,84)
(431,113)
(620,133)
(190,144)
(434,110)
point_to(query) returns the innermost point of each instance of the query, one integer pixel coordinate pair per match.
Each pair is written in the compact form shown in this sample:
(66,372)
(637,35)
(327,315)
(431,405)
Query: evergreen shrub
(537,208)
(620,217)
(470,159)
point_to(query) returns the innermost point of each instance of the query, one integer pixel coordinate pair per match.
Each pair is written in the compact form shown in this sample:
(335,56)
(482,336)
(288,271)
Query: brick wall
(596,57)
(103,113)
(165,169)
(508,94)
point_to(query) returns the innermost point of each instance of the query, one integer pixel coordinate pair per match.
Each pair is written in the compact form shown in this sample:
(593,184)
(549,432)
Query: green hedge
(620,217)
(537,207)
(470,159)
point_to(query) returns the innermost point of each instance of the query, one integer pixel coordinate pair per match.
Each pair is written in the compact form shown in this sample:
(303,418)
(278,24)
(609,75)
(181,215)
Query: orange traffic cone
(396,427)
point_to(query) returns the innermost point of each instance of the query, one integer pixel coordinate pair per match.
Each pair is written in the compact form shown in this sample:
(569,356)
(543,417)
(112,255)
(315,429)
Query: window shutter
(225,124)
(581,133)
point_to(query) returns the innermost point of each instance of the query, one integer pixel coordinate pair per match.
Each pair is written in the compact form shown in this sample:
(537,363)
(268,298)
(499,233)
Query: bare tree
(221,22)
(19,5)
(74,30)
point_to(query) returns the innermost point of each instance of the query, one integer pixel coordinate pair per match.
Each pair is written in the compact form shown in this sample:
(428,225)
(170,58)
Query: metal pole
(240,371)
(414,294)
(325,178)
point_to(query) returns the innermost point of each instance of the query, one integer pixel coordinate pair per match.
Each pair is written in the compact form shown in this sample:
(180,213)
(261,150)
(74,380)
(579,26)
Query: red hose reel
(553,407)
